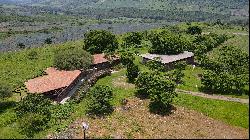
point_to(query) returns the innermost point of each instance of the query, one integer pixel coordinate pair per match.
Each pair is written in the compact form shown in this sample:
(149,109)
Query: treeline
(149,14)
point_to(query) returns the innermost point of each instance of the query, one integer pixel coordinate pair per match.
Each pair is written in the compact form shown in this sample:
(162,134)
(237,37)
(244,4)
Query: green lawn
(236,114)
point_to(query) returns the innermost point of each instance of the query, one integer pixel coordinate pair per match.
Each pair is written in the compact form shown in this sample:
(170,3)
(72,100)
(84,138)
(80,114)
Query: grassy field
(232,113)
(16,67)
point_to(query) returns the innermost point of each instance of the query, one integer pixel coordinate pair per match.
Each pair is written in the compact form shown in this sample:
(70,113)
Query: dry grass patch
(135,121)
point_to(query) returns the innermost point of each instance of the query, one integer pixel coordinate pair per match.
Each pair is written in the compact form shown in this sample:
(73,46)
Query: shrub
(132,72)
(72,59)
(194,30)
(5,91)
(48,41)
(98,41)
(159,88)
(32,123)
(21,45)
(168,43)
(32,55)
(61,112)
(155,64)
(127,58)
(34,104)
(227,70)
(98,100)
(133,39)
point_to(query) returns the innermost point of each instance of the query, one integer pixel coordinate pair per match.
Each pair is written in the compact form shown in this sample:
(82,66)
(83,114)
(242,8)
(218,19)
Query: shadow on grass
(155,108)
(141,96)
(100,115)
(6,105)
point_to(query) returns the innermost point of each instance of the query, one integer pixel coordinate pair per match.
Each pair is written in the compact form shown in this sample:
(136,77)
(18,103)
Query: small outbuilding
(169,60)
(102,62)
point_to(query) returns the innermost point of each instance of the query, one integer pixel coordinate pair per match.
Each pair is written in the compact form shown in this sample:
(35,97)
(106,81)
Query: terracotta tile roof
(169,58)
(54,80)
(100,58)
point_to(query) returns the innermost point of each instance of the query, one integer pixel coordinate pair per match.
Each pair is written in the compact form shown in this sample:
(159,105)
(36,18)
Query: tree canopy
(72,59)
(99,41)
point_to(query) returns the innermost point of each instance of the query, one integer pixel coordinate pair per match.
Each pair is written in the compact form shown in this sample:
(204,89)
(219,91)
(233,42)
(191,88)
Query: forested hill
(213,6)
(171,10)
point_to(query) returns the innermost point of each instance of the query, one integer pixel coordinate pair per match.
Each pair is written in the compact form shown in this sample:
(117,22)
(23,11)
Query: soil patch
(137,122)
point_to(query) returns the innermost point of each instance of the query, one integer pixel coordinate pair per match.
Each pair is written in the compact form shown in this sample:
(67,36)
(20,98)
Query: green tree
(5,91)
(98,41)
(132,72)
(155,64)
(227,70)
(98,100)
(133,39)
(194,30)
(72,59)
(127,57)
(168,43)
(34,113)
(159,87)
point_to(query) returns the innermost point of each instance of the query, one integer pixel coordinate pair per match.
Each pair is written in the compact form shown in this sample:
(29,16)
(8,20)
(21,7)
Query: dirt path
(137,122)
(213,96)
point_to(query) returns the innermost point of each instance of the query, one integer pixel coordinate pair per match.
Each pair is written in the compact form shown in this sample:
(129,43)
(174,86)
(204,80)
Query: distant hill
(172,10)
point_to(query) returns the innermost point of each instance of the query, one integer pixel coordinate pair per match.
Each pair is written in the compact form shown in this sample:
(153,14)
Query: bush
(98,100)
(194,30)
(32,55)
(227,70)
(127,58)
(32,123)
(34,104)
(33,113)
(5,91)
(168,43)
(99,41)
(132,72)
(155,64)
(133,39)
(48,41)
(160,89)
(72,59)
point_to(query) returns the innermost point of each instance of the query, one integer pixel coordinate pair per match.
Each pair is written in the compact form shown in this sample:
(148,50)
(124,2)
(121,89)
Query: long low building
(55,83)
(169,60)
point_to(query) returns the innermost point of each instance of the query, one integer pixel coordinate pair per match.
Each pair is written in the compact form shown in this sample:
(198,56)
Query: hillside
(233,7)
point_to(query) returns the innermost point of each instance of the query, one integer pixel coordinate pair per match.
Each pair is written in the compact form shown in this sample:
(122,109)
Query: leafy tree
(33,113)
(133,39)
(227,70)
(159,88)
(72,59)
(98,100)
(178,72)
(34,104)
(132,72)
(98,41)
(194,30)
(5,91)
(127,57)
(155,64)
(168,43)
